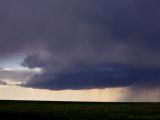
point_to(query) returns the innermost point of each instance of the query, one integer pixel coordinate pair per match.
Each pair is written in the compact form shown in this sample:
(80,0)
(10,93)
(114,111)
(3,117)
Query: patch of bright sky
(103,95)
(12,62)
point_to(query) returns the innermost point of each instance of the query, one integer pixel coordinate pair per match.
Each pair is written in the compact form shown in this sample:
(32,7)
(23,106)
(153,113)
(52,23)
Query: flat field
(43,110)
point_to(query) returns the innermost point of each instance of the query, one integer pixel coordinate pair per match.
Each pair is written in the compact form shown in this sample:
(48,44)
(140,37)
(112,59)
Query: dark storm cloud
(83,77)
(71,40)
(93,76)
(2,82)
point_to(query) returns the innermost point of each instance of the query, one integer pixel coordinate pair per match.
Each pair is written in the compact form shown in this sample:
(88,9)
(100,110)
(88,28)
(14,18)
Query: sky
(80,50)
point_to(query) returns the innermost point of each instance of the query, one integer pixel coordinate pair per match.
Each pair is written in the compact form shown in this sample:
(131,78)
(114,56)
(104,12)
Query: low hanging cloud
(84,44)
(15,75)
(97,76)
(2,82)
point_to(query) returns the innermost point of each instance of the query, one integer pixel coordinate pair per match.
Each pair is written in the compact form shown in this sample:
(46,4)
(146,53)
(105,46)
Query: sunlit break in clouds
(53,49)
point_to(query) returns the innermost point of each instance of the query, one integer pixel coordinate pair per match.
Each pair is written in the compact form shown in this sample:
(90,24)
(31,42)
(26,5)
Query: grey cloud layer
(16,75)
(83,44)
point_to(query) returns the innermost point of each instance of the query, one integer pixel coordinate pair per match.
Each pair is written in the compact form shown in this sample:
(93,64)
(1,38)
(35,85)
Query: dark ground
(30,110)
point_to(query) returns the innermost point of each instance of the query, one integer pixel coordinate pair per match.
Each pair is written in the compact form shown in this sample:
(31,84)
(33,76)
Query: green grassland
(34,110)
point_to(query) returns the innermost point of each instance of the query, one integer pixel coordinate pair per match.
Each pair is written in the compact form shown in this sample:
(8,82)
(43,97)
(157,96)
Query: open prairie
(43,110)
